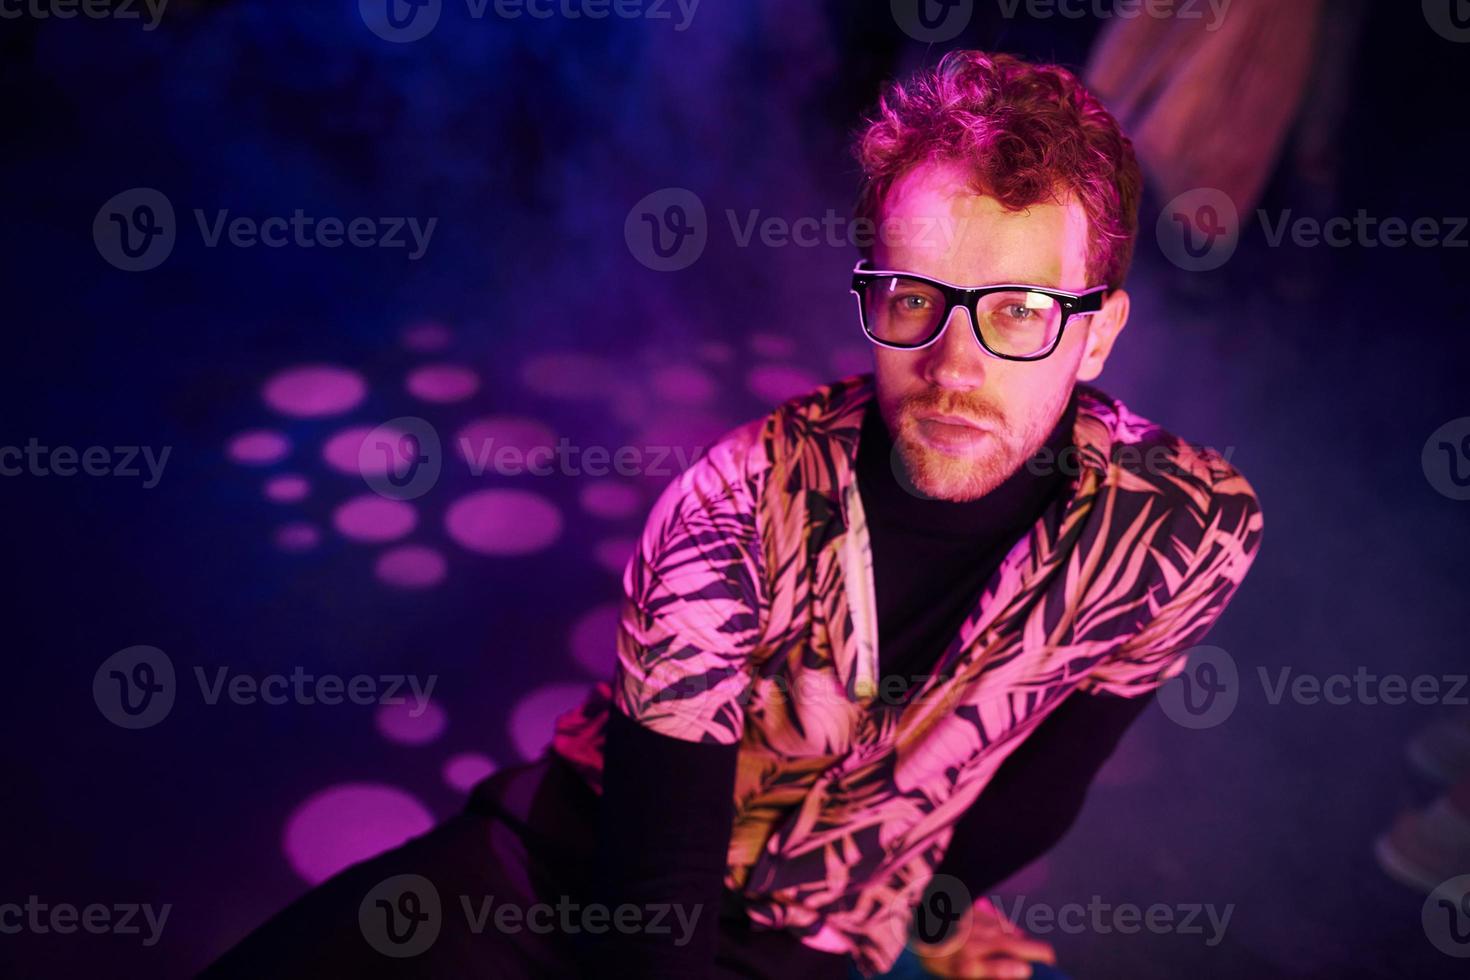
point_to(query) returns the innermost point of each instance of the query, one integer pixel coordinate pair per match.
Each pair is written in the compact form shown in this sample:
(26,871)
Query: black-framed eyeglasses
(1017,322)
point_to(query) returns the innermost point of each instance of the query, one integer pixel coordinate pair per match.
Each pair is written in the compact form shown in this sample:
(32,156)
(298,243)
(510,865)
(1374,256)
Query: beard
(929,472)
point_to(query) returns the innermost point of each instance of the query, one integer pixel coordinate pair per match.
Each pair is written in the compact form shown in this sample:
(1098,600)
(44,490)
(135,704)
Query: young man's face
(1012,405)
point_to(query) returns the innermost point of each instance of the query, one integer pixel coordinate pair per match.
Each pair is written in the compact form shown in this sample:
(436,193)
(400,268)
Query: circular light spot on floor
(372,518)
(568,375)
(684,384)
(351,822)
(464,770)
(506,444)
(344,453)
(594,639)
(503,522)
(258,447)
(426,337)
(609,499)
(288,488)
(442,383)
(613,553)
(411,722)
(772,345)
(297,537)
(774,383)
(314,391)
(533,719)
(411,566)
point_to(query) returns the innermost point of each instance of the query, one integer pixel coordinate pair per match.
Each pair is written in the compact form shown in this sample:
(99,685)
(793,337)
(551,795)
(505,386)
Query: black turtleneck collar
(1009,509)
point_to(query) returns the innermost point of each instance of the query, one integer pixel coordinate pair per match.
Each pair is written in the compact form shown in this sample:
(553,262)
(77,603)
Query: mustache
(937,402)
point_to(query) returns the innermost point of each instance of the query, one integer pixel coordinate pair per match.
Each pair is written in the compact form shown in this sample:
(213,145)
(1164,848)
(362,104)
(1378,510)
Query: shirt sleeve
(1184,602)
(692,598)
(667,807)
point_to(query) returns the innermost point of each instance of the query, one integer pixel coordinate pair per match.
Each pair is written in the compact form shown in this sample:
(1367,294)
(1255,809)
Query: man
(879,641)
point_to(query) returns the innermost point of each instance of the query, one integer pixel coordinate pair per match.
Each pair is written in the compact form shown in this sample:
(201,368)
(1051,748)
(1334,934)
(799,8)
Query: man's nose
(956,360)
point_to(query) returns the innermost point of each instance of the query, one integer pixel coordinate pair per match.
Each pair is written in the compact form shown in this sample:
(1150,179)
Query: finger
(997,968)
(1026,948)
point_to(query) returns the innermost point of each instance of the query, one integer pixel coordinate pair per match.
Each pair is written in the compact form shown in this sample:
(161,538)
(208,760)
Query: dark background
(1324,370)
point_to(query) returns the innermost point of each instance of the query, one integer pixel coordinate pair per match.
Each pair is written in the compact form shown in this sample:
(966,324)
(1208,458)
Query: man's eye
(1017,312)
(913,303)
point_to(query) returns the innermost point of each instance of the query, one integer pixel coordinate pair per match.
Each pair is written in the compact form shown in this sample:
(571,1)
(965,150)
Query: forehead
(932,222)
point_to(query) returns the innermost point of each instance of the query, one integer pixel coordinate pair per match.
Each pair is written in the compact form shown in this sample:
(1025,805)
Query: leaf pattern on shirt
(741,623)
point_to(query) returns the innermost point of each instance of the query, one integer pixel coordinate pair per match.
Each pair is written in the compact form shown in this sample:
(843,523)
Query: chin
(941,476)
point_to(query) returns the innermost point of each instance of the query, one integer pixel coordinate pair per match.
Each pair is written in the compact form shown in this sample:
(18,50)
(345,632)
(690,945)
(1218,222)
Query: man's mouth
(952,434)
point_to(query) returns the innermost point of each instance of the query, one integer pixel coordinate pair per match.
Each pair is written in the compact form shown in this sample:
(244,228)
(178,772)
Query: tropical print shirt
(748,618)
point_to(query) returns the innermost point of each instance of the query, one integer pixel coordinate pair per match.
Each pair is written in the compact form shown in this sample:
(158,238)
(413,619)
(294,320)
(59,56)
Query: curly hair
(1027,133)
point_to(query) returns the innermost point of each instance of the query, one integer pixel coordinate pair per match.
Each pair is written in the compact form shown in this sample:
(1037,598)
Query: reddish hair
(1027,133)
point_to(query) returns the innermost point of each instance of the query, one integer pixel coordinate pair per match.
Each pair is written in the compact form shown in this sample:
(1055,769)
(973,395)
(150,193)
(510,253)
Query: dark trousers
(455,902)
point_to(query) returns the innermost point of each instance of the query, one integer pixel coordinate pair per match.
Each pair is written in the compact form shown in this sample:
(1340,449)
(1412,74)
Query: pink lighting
(372,518)
(344,824)
(411,567)
(442,383)
(259,447)
(314,391)
(503,522)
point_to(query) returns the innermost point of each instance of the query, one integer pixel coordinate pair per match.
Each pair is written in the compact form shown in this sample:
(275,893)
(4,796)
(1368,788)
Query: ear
(1103,328)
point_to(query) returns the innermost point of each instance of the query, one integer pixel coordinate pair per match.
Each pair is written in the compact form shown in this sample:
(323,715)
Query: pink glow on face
(533,720)
(594,639)
(773,345)
(613,553)
(773,383)
(411,566)
(610,499)
(413,722)
(568,375)
(344,824)
(479,442)
(848,361)
(684,384)
(298,536)
(426,337)
(314,391)
(464,770)
(343,452)
(258,447)
(503,522)
(442,383)
(288,488)
(372,518)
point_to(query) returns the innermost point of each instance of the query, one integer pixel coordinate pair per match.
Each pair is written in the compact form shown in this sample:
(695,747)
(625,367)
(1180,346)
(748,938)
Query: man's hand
(984,945)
